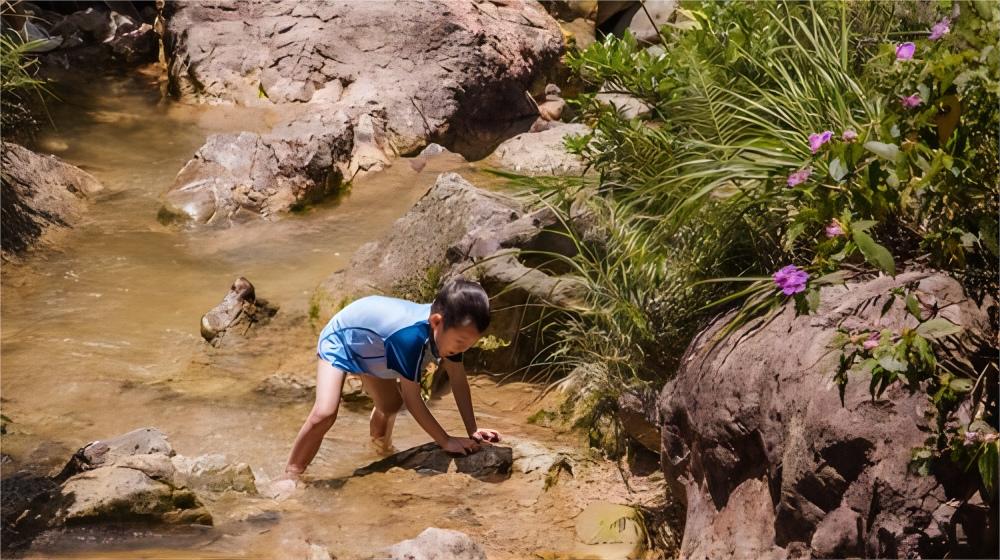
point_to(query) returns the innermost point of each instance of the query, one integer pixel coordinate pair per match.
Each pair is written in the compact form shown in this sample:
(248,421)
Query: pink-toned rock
(772,465)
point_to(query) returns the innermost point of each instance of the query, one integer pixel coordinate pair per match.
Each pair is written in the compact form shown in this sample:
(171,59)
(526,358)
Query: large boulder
(491,463)
(356,83)
(772,465)
(39,194)
(458,229)
(541,153)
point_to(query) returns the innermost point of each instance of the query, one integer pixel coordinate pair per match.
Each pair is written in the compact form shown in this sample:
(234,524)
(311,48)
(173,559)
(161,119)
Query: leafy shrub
(791,145)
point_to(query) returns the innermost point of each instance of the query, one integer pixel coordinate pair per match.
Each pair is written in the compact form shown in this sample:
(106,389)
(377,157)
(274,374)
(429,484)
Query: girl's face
(453,340)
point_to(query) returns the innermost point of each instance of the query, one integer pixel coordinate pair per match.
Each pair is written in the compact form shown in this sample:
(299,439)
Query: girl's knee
(322,416)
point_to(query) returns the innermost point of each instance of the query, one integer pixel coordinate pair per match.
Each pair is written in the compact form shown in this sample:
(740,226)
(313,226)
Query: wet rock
(134,477)
(288,386)
(96,38)
(125,493)
(435,544)
(638,414)
(143,441)
(241,177)
(39,194)
(541,153)
(212,473)
(491,463)
(772,464)
(455,74)
(458,229)
(21,493)
(238,312)
(126,478)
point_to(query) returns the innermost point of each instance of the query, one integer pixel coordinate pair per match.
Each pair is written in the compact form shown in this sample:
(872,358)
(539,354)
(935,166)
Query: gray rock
(143,441)
(454,74)
(770,463)
(639,416)
(435,544)
(541,153)
(212,473)
(238,312)
(627,106)
(531,457)
(491,463)
(838,535)
(39,194)
(125,494)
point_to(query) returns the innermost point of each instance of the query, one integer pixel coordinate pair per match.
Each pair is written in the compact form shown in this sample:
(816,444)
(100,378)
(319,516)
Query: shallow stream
(100,336)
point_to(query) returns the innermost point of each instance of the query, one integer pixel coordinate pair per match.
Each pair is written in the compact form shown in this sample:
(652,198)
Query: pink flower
(904,51)
(834,229)
(873,340)
(849,135)
(799,176)
(940,29)
(911,101)
(971,438)
(791,279)
(816,141)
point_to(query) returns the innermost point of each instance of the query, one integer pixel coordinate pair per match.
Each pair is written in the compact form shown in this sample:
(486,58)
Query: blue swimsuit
(381,336)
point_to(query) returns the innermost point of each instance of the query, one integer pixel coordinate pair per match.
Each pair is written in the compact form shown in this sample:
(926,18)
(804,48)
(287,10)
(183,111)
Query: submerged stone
(491,463)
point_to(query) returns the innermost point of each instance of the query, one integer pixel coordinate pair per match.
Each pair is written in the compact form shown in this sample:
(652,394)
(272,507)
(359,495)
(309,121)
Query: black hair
(462,302)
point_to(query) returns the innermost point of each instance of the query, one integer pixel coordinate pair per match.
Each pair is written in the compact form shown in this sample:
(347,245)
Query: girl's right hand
(460,446)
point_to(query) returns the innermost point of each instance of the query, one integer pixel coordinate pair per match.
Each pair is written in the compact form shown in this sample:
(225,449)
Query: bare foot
(282,488)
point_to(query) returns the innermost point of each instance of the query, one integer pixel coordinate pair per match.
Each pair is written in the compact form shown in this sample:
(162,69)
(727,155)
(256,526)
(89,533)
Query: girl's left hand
(486,436)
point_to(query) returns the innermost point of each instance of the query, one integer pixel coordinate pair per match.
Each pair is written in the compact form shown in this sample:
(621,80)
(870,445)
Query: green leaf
(812,297)
(890,363)
(835,277)
(988,466)
(961,385)
(874,253)
(882,150)
(913,306)
(938,327)
(837,170)
(862,225)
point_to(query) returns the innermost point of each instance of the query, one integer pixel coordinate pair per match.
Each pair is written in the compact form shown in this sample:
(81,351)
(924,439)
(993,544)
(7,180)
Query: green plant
(786,151)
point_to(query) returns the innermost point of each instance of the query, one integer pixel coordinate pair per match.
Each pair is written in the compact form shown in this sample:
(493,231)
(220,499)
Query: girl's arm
(415,404)
(463,395)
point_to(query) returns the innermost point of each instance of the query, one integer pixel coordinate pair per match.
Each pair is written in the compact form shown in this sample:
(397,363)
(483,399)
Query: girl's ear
(436,320)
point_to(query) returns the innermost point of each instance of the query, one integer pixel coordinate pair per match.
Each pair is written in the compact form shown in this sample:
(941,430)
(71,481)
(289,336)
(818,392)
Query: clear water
(100,336)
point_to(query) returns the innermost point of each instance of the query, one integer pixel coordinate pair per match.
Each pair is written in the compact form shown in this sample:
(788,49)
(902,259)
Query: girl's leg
(388,402)
(329,384)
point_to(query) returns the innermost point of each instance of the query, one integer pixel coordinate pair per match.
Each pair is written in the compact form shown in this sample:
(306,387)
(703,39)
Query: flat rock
(492,463)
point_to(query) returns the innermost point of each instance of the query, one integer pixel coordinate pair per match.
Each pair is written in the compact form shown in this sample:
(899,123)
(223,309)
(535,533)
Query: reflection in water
(100,336)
